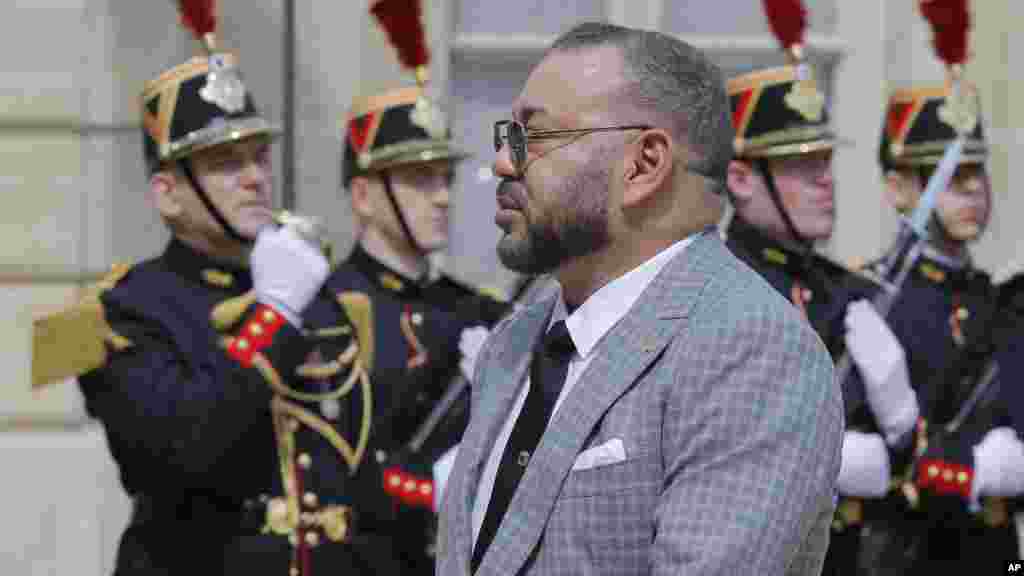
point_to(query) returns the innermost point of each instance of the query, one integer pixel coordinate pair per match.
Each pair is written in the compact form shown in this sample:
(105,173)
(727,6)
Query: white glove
(287,271)
(470,342)
(881,360)
(864,470)
(441,470)
(998,465)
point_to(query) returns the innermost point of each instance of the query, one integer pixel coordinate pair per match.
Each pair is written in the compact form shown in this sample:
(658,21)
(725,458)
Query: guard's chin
(250,229)
(965,231)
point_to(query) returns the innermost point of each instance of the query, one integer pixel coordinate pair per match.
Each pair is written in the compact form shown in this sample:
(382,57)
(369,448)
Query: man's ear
(900,191)
(741,180)
(648,167)
(163,191)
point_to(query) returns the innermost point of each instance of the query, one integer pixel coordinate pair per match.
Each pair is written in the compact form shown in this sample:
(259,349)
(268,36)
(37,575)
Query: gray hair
(674,82)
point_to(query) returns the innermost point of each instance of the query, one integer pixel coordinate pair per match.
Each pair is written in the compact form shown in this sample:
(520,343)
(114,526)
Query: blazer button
(524,458)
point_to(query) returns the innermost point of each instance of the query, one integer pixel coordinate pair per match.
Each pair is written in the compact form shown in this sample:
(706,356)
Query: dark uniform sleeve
(1011,390)
(179,410)
(1010,355)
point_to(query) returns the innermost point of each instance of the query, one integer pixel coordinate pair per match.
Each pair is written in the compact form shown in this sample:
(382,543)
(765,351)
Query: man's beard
(575,226)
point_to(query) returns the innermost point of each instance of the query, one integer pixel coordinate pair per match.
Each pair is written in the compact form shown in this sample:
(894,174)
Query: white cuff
(864,471)
(998,465)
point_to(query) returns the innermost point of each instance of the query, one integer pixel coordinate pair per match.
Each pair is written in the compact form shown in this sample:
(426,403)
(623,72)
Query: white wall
(73,187)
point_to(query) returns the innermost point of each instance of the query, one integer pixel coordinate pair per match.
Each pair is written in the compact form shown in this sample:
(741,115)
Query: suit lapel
(500,385)
(619,360)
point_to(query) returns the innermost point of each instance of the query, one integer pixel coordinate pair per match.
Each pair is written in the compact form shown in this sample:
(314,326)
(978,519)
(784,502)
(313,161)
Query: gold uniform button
(947,475)
(808,295)
(309,499)
(396,481)
(255,329)
(269,316)
(305,461)
(312,538)
(961,477)
(933,471)
(962,314)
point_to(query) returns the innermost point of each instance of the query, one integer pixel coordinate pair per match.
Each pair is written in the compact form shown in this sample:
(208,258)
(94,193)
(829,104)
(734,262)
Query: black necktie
(547,375)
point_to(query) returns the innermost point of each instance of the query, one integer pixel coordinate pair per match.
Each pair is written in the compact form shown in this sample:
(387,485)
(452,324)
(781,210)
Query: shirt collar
(605,307)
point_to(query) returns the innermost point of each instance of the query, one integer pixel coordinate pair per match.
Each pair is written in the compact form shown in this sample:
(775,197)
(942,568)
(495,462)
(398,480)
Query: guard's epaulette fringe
(77,339)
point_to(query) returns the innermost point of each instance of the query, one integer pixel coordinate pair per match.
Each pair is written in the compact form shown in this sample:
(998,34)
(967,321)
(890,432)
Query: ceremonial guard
(781,187)
(945,312)
(233,388)
(398,169)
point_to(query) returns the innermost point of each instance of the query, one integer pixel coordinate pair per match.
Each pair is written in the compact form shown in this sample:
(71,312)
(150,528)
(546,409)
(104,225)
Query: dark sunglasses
(518,137)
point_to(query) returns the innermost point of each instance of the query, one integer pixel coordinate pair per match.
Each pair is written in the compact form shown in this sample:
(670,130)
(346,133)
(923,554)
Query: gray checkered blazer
(724,400)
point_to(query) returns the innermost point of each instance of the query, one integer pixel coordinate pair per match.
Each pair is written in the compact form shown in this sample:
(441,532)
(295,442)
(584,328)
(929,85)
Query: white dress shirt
(587,325)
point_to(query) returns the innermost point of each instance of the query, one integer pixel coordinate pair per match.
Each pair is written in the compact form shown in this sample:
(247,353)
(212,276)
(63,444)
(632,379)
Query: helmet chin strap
(186,168)
(773,192)
(385,176)
(940,232)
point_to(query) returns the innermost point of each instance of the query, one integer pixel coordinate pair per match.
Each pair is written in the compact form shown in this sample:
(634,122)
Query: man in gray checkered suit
(662,410)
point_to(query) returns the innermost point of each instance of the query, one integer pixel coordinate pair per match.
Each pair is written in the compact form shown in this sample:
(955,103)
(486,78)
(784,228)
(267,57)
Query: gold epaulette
(76,340)
(493,293)
(487,291)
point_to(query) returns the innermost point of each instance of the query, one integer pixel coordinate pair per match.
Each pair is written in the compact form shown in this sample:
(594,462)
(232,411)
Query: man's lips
(510,195)
(506,202)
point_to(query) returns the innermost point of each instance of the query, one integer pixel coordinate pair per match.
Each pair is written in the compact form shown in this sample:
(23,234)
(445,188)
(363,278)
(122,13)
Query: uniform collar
(952,262)
(199,267)
(769,251)
(382,275)
(944,271)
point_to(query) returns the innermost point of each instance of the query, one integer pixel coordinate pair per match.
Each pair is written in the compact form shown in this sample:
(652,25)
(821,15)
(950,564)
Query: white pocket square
(611,452)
